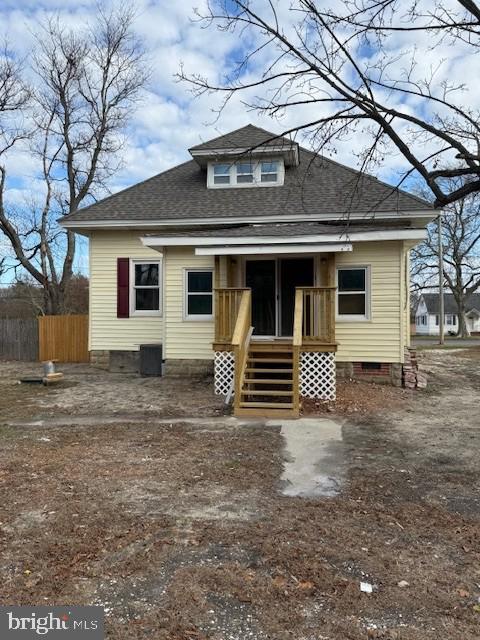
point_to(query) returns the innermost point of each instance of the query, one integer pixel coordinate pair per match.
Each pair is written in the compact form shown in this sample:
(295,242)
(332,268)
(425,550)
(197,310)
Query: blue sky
(168,119)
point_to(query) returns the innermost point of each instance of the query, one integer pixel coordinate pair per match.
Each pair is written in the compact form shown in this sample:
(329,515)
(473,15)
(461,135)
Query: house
(427,315)
(273,266)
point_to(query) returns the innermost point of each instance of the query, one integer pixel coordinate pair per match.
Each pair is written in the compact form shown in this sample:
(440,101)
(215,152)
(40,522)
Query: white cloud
(169,120)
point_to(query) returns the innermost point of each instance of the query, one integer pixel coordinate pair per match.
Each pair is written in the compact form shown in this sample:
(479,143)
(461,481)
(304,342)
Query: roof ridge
(247,126)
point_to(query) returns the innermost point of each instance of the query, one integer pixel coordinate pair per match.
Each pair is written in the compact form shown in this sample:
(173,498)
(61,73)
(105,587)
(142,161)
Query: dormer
(249,157)
(245,172)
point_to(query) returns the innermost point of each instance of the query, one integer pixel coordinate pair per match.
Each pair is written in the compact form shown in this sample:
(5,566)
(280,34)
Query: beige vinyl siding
(185,339)
(107,332)
(381,337)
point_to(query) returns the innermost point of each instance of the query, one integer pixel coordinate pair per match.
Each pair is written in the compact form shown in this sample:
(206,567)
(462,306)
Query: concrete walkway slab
(315,457)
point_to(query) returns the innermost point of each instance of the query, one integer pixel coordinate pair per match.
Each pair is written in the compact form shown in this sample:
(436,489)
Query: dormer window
(244,172)
(269,172)
(261,173)
(221,173)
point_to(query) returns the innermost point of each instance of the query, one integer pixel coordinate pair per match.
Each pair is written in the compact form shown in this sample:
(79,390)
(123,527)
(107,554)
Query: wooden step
(259,370)
(267,381)
(265,392)
(263,413)
(268,359)
(260,345)
(266,405)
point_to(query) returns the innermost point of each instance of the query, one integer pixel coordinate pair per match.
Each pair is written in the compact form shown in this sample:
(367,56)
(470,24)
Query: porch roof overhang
(277,249)
(219,242)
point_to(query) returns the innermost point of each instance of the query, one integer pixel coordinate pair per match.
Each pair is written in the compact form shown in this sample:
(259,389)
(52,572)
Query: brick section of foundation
(381,372)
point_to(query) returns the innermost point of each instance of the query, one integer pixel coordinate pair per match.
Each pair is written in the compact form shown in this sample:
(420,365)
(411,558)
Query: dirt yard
(141,496)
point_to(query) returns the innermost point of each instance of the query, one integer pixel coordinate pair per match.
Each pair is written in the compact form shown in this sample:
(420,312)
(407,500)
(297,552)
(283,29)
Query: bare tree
(87,84)
(336,66)
(461,255)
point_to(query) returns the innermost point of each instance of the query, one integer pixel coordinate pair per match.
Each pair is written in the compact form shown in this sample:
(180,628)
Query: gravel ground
(182,530)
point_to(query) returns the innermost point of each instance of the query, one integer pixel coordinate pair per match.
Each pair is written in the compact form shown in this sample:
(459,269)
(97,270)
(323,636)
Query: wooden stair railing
(297,346)
(241,342)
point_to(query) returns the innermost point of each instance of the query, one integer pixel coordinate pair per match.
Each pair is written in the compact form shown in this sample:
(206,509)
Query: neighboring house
(255,234)
(427,316)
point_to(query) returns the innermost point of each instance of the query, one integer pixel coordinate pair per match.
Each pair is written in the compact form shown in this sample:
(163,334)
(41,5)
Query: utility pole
(441,326)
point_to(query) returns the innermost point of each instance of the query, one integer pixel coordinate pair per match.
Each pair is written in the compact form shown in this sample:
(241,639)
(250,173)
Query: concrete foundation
(188,367)
(100,359)
(124,361)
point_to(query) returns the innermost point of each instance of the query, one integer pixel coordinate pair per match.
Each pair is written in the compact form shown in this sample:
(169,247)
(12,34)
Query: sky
(169,119)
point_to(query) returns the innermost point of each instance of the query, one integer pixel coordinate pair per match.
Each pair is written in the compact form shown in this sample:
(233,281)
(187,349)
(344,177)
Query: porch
(270,355)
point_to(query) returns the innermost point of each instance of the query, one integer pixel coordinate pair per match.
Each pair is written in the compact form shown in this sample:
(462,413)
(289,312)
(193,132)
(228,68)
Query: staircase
(267,388)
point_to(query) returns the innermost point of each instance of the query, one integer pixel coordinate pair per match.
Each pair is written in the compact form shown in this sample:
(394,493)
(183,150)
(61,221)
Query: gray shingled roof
(290,229)
(246,138)
(317,186)
(432,301)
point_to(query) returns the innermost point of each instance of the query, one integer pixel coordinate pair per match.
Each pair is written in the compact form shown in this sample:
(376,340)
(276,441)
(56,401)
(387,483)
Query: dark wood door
(260,276)
(294,272)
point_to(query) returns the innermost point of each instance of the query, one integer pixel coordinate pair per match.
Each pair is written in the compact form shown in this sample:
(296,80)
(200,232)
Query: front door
(273,285)
(260,276)
(294,272)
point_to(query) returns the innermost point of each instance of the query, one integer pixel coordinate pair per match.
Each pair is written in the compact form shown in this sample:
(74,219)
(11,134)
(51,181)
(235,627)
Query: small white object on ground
(403,583)
(366,587)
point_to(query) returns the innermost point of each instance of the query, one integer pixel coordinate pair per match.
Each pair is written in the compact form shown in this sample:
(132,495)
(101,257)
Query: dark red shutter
(123,287)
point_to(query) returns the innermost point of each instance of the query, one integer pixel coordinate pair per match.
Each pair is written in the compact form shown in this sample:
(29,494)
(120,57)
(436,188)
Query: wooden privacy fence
(63,338)
(18,339)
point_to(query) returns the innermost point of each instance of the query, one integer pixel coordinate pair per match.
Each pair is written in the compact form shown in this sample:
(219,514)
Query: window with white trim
(146,294)
(245,173)
(198,294)
(451,319)
(353,293)
(221,173)
(269,171)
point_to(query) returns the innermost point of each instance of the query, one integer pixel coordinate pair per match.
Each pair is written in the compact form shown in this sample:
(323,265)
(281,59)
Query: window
(146,296)
(437,320)
(424,320)
(269,171)
(451,319)
(221,173)
(352,298)
(244,172)
(198,294)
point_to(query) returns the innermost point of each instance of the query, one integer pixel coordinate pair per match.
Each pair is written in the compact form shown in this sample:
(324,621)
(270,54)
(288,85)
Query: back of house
(272,266)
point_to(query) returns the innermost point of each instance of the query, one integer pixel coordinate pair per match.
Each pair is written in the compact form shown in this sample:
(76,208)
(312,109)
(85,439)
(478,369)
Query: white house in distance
(427,318)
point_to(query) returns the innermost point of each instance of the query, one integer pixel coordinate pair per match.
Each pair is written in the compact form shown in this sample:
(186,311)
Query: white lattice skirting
(317,375)
(224,367)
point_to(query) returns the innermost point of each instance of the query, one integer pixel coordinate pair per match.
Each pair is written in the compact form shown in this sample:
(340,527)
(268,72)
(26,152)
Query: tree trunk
(462,331)
(53,303)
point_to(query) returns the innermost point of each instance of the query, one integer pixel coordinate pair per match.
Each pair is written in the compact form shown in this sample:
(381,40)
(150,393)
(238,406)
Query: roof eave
(420,217)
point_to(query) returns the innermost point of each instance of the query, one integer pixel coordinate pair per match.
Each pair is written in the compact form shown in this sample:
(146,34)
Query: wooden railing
(314,324)
(314,319)
(241,341)
(227,306)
